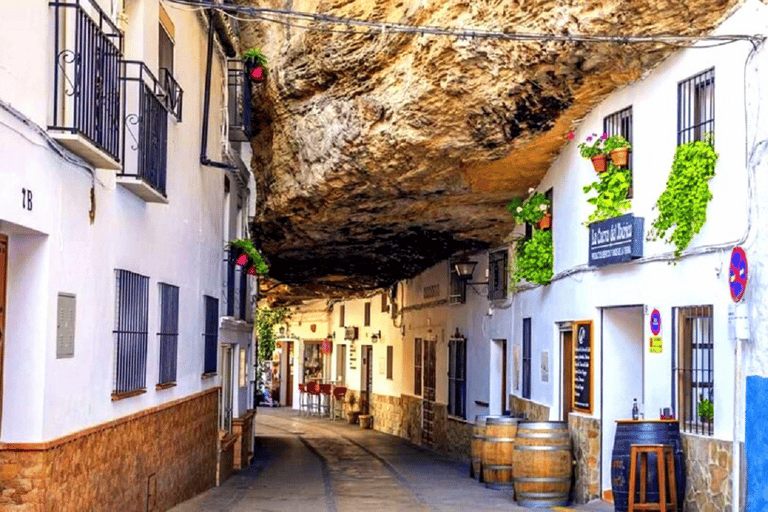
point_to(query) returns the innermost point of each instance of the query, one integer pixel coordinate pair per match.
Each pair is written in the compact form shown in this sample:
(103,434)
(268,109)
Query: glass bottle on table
(635,411)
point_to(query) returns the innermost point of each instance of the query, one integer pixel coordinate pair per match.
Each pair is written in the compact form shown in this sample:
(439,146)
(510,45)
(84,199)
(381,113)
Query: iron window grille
(86,74)
(236,286)
(239,101)
(367,314)
(497,275)
(243,294)
(620,123)
(169,332)
(696,107)
(417,370)
(457,384)
(211,334)
(693,372)
(131,332)
(526,358)
(458,291)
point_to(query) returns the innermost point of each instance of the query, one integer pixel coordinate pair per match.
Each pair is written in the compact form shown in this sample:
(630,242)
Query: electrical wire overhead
(280,16)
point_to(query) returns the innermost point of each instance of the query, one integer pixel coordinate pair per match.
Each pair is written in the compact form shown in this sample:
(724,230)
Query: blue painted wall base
(756,443)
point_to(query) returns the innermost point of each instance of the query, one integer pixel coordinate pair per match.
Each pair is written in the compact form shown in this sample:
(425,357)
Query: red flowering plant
(594,146)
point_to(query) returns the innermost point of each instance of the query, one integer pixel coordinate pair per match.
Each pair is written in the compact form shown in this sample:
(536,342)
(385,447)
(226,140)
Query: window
(458,289)
(384,302)
(367,318)
(173,93)
(341,316)
(694,373)
(390,359)
(620,123)
(526,358)
(497,275)
(211,334)
(165,47)
(696,107)
(457,386)
(417,367)
(131,332)
(169,332)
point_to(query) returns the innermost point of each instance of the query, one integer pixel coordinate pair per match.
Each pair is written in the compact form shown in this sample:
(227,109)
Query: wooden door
(567,358)
(3,274)
(428,411)
(289,376)
(504,398)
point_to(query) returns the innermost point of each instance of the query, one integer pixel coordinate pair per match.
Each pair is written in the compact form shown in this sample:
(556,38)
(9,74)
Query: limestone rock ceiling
(378,155)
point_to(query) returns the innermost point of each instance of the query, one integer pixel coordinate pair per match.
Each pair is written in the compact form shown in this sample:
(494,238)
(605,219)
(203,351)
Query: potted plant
(534,259)
(706,410)
(256,64)
(532,210)
(594,150)
(546,221)
(249,256)
(612,188)
(618,148)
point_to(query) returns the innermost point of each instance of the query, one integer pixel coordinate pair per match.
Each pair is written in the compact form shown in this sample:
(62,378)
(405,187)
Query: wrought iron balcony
(145,147)
(172,93)
(236,286)
(86,82)
(239,102)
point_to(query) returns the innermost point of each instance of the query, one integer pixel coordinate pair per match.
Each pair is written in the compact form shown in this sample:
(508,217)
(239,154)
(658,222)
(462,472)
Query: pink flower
(589,139)
(571,136)
(605,136)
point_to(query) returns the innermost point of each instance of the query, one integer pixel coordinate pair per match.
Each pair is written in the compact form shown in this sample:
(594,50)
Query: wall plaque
(582,367)
(615,240)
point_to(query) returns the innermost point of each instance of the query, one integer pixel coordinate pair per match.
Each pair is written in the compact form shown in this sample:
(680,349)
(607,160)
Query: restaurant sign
(615,240)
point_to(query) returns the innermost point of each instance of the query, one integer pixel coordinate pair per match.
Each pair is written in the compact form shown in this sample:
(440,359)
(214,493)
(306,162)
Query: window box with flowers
(534,257)
(614,181)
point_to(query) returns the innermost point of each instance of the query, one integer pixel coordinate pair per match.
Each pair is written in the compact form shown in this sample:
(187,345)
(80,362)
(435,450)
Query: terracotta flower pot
(546,221)
(620,156)
(599,163)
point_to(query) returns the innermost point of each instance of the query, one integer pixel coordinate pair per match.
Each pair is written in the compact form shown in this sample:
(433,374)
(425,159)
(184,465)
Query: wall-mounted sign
(654,347)
(615,240)
(582,367)
(738,273)
(353,357)
(655,322)
(350,333)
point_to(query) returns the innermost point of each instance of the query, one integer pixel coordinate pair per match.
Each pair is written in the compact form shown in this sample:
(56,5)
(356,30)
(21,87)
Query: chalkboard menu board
(582,367)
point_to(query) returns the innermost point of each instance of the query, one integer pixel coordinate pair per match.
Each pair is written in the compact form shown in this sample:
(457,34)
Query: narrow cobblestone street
(314,464)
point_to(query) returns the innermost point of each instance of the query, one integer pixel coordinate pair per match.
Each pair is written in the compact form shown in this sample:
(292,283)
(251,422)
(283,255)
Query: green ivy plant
(265,320)
(531,210)
(255,55)
(246,245)
(683,204)
(534,259)
(612,188)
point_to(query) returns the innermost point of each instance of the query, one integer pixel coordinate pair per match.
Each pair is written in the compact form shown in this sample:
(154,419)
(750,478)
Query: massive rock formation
(378,154)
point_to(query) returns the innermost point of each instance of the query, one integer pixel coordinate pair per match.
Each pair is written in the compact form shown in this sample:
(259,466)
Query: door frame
(566,378)
(3,308)
(366,376)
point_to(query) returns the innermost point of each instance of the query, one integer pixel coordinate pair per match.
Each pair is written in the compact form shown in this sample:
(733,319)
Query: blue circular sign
(655,322)
(738,273)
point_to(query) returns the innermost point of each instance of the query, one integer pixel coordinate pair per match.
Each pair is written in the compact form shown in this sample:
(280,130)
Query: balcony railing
(86,81)
(239,92)
(173,93)
(145,148)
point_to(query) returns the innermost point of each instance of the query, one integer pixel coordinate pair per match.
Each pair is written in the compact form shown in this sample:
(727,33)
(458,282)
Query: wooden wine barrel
(629,432)
(498,446)
(478,435)
(542,464)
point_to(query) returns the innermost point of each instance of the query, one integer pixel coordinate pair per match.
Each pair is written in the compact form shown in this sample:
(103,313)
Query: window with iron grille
(458,288)
(390,361)
(693,370)
(620,123)
(457,385)
(696,107)
(169,332)
(367,314)
(211,334)
(237,286)
(131,331)
(417,367)
(497,275)
(526,358)
(243,295)
(341,316)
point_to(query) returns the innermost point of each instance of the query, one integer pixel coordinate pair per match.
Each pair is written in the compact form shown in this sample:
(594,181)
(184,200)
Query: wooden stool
(665,462)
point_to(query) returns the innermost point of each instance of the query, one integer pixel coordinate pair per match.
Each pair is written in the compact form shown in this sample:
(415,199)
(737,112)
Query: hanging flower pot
(255,65)
(257,73)
(545,222)
(599,163)
(620,156)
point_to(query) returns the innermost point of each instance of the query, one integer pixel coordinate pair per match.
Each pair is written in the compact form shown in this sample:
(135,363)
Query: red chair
(314,397)
(339,399)
(325,399)
(303,404)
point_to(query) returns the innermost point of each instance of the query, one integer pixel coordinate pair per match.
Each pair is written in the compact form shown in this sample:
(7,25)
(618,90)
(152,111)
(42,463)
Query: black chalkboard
(582,367)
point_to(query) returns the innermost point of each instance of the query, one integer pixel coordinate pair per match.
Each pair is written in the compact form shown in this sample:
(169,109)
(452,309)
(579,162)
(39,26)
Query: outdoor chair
(313,399)
(324,400)
(339,400)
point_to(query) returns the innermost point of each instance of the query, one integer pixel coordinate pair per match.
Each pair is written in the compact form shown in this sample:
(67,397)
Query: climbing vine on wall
(266,319)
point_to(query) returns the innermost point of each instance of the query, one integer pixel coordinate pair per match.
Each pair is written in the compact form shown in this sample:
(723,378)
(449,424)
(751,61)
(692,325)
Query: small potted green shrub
(256,64)
(618,148)
(706,410)
(594,150)
(532,210)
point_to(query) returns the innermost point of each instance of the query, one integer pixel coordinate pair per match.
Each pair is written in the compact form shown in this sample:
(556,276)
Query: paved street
(310,464)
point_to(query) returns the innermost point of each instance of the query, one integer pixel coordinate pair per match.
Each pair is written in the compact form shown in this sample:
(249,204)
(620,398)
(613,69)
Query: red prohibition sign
(738,274)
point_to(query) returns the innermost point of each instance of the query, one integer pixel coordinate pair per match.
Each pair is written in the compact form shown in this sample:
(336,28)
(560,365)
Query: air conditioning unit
(350,333)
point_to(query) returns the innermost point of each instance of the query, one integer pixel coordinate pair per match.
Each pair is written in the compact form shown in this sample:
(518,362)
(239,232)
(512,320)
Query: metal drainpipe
(204,160)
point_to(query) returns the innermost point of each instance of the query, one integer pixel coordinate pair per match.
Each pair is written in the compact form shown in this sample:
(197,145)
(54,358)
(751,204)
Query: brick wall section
(387,413)
(410,421)
(242,427)
(458,437)
(585,434)
(532,410)
(226,462)
(708,470)
(148,461)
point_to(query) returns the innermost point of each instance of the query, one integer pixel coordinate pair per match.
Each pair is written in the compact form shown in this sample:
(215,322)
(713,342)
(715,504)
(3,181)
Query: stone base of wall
(708,470)
(242,427)
(226,459)
(410,420)
(147,461)
(532,410)
(585,434)
(458,439)
(387,413)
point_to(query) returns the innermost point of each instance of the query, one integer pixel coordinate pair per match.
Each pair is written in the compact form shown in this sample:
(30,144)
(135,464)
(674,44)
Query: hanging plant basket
(545,222)
(620,157)
(256,72)
(599,163)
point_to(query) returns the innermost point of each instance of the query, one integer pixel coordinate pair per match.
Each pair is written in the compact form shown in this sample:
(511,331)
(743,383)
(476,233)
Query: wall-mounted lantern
(464,270)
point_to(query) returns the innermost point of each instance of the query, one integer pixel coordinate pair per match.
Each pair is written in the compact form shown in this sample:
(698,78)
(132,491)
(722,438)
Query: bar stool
(303,406)
(313,391)
(324,403)
(339,399)
(665,462)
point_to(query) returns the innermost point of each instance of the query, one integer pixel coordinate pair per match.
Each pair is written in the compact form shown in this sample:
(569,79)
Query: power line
(270,15)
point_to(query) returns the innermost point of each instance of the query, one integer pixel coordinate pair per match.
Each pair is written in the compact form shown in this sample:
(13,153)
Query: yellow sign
(655,345)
